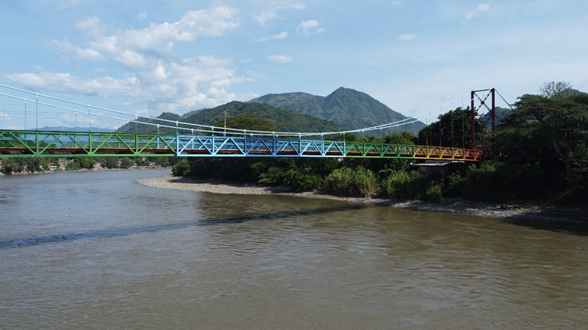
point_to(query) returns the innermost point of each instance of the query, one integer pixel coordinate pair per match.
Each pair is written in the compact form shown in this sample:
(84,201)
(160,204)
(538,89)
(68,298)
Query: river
(96,250)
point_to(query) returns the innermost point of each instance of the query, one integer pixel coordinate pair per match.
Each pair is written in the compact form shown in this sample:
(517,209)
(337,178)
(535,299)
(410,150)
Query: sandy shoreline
(572,215)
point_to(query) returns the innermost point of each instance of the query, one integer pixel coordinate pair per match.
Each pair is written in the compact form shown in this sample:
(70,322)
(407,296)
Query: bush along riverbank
(533,214)
(538,154)
(53,164)
(488,181)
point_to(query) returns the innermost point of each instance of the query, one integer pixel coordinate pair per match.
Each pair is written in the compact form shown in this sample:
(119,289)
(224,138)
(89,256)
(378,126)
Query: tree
(181,168)
(560,89)
(546,129)
(453,129)
(111,162)
(72,166)
(12,165)
(162,161)
(249,122)
(82,163)
(405,137)
(126,162)
(140,161)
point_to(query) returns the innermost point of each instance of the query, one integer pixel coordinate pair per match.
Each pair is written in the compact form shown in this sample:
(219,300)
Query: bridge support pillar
(491,110)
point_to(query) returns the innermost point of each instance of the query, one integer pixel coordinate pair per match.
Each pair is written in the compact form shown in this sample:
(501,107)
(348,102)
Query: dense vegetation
(41,164)
(284,120)
(344,106)
(539,153)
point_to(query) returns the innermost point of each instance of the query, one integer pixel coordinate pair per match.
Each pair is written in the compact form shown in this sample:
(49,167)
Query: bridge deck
(15,143)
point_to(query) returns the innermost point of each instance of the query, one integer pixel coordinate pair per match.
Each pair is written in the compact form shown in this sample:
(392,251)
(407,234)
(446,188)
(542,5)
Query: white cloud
(142,112)
(265,16)
(481,8)
(280,58)
(155,75)
(80,53)
(4,116)
(65,82)
(142,16)
(282,35)
(157,38)
(310,27)
(91,26)
(192,25)
(407,37)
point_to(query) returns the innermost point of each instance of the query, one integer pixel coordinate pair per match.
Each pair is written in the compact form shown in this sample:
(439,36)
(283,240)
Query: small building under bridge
(438,167)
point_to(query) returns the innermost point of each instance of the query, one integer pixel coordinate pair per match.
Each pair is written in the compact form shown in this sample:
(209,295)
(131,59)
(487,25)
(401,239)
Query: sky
(148,57)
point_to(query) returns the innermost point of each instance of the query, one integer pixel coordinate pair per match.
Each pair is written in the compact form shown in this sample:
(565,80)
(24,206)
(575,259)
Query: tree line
(42,164)
(539,153)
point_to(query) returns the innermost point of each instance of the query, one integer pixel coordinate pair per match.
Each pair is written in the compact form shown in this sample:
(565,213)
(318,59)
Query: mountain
(344,106)
(500,113)
(285,120)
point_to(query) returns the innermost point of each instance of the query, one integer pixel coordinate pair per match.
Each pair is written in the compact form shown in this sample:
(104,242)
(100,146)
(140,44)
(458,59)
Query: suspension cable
(184,126)
(511,108)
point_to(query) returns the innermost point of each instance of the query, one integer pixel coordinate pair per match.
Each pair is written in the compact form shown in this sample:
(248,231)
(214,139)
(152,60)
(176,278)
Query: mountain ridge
(345,106)
(286,120)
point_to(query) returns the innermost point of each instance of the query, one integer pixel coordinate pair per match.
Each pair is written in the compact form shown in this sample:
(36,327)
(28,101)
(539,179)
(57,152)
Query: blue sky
(147,57)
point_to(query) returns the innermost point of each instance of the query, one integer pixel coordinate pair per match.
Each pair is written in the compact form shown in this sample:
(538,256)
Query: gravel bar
(572,215)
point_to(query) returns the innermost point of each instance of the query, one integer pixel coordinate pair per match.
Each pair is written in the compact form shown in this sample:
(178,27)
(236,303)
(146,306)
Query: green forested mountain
(500,113)
(285,120)
(344,106)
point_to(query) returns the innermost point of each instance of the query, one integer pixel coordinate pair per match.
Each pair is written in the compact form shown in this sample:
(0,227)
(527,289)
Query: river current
(96,250)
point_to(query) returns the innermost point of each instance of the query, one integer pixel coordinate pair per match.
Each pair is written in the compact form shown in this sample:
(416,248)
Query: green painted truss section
(15,143)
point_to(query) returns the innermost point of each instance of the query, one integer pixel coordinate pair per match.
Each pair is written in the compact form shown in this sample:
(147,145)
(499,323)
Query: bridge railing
(88,144)
(209,146)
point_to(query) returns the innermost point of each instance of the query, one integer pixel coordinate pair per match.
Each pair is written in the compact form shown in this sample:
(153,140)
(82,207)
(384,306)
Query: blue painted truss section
(213,146)
(220,146)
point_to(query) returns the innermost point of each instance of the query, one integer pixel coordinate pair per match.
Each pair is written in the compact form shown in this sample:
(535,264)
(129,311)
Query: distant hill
(344,106)
(500,113)
(285,120)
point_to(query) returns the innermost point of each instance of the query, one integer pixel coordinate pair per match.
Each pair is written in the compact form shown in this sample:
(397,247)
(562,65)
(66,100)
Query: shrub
(126,163)
(366,182)
(356,182)
(301,180)
(140,161)
(72,166)
(433,193)
(273,175)
(110,162)
(401,184)
(339,181)
(162,161)
(455,185)
(298,179)
(181,168)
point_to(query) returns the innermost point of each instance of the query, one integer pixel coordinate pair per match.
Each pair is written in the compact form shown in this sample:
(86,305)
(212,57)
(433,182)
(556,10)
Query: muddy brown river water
(96,250)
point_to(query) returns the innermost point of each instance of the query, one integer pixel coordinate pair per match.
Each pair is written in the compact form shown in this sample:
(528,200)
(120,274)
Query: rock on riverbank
(535,213)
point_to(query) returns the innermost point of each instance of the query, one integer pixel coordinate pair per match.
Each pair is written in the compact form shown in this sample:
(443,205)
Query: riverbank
(577,215)
(94,169)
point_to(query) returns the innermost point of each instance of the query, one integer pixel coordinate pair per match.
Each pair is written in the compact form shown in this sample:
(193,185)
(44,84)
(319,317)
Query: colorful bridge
(187,139)
(19,143)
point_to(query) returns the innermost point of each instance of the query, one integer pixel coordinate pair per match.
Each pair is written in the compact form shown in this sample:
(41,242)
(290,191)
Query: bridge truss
(21,143)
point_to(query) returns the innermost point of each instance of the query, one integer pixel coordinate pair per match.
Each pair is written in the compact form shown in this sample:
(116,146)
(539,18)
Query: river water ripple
(96,250)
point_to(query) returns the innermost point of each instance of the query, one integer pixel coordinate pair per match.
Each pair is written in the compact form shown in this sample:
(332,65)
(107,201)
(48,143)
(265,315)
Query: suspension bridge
(192,140)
